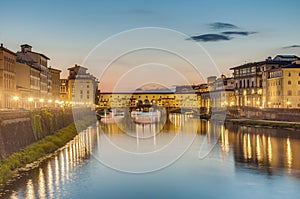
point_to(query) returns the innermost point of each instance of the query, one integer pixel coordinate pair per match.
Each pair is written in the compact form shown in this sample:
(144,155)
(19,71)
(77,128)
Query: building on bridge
(134,99)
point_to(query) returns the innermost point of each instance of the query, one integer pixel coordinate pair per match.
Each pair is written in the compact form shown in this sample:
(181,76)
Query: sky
(230,33)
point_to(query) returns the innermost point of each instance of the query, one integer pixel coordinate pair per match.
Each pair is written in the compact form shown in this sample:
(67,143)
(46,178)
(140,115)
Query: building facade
(8,97)
(251,80)
(82,87)
(40,62)
(55,81)
(283,86)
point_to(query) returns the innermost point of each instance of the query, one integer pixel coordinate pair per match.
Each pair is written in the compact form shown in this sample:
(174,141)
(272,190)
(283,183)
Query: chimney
(26,48)
(269,59)
(1,45)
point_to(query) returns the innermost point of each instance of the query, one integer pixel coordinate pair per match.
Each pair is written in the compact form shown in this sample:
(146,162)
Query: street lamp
(30,99)
(288,104)
(16,98)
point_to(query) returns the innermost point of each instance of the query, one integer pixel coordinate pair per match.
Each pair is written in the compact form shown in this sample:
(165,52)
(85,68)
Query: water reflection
(268,151)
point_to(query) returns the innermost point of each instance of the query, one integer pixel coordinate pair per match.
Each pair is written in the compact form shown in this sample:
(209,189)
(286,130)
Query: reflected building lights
(29,190)
(67,163)
(50,180)
(269,150)
(41,182)
(249,149)
(258,149)
(62,167)
(289,153)
(57,177)
(245,146)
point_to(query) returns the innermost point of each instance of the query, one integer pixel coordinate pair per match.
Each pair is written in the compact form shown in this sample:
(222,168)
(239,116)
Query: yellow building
(7,78)
(283,87)
(82,87)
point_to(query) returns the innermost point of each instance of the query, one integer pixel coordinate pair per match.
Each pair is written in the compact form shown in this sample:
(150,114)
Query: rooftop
(294,65)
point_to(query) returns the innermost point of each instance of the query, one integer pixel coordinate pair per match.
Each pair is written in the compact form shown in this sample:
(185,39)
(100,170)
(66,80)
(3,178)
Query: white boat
(146,117)
(111,117)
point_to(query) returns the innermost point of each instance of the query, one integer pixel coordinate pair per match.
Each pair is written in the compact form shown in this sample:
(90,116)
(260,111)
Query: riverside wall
(277,114)
(19,128)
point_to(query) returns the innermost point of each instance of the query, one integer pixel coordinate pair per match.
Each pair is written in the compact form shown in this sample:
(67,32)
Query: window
(289,93)
(298,92)
(298,82)
(289,74)
(87,86)
(289,82)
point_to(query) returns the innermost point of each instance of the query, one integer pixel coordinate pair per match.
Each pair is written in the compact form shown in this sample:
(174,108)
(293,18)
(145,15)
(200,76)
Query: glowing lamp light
(289,103)
(30,99)
(41,100)
(49,101)
(16,98)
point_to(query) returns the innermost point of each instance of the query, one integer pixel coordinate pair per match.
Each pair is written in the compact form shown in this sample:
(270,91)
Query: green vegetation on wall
(37,150)
(36,125)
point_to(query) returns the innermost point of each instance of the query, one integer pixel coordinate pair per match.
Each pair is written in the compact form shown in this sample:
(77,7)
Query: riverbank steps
(9,166)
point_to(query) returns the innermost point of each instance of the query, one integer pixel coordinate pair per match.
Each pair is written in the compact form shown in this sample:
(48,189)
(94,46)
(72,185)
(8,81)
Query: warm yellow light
(248,102)
(30,99)
(269,103)
(16,98)
(289,103)
(49,101)
(56,101)
(41,100)
(257,102)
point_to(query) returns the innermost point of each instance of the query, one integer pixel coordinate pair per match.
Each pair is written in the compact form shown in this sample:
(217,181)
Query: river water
(184,158)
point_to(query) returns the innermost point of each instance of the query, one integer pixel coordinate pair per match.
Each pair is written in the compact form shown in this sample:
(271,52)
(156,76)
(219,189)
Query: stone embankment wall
(279,114)
(19,128)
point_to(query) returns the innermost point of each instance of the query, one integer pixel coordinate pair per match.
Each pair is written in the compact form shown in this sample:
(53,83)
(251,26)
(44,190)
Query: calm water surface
(244,163)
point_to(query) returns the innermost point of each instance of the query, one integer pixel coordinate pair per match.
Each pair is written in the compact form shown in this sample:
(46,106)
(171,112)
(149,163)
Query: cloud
(243,33)
(209,37)
(292,46)
(222,26)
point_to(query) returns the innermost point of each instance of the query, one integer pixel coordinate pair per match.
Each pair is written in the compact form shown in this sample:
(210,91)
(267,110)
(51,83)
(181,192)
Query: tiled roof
(292,66)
